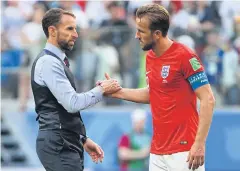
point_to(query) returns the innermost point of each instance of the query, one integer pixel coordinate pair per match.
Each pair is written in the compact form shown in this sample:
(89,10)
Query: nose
(137,35)
(75,35)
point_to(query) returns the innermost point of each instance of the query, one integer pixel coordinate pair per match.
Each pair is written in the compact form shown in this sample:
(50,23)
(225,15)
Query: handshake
(109,86)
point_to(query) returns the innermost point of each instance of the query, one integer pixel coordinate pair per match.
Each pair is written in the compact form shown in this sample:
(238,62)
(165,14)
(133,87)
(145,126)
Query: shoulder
(125,137)
(48,64)
(185,51)
(124,141)
(48,60)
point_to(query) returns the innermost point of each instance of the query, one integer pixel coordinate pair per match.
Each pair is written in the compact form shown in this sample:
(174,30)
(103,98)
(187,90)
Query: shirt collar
(55,50)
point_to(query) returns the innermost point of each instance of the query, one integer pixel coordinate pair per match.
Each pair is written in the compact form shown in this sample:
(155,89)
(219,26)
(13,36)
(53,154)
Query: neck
(53,42)
(162,45)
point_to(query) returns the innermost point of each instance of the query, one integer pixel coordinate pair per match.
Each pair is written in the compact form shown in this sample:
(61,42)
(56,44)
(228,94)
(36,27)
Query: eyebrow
(71,27)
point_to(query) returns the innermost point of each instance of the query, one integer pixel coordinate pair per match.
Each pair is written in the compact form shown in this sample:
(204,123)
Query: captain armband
(197,80)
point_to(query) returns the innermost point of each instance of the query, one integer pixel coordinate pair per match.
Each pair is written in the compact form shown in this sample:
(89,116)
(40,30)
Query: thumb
(107,76)
(188,158)
(98,83)
(98,150)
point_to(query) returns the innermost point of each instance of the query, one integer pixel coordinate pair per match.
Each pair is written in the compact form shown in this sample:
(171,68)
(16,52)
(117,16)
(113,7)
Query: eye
(71,28)
(141,31)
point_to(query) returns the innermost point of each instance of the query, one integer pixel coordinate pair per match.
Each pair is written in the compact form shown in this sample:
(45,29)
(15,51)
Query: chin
(69,48)
(146,49)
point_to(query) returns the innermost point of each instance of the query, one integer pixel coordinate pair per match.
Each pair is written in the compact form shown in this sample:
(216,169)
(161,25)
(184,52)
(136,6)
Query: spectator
(187,41)
(231,67)
(117,33)
(212,60)
(94,18)
(133,150)
(210,57)
(193,23)
(135,66)
(32,39)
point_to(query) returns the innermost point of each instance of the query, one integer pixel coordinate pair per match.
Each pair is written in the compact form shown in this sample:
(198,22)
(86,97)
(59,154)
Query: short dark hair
(112,4)
(157,15)
(53,17)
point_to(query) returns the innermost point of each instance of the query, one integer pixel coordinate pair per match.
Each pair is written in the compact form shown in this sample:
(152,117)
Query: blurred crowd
(106,43)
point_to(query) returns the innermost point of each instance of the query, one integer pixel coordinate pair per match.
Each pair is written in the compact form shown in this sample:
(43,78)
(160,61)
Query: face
(66,33)
(38,15)
(139,125)
(212,39)
(114,12)
(144,34)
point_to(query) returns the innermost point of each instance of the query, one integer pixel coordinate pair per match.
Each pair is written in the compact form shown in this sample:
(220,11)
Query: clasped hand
(109,86)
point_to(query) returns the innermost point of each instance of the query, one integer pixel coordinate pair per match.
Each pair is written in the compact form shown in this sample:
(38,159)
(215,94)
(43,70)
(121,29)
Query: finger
(191,159)
(202,161)
(195,163)
(102,155)
(107,76)
(188,158)
(98,150)
(119,88)
(101,152)
(98,83)
(94,157)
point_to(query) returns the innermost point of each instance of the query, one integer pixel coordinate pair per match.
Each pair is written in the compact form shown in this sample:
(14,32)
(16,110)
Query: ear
(52,31)
(157,34)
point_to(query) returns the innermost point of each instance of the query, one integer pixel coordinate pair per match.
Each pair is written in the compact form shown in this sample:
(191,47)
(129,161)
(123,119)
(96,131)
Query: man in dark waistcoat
(62,136)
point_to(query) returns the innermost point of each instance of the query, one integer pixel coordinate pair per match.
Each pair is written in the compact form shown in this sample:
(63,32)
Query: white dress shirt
(49,72)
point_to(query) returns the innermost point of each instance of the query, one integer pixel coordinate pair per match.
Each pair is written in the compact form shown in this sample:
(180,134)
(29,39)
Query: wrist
(101,89)
(84,139)
(117,94)
(199,141)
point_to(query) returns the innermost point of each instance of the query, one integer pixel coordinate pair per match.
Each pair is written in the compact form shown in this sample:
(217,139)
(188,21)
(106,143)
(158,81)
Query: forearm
(128,154)
(80,101)
(205,119)
(140,95)
(54,77)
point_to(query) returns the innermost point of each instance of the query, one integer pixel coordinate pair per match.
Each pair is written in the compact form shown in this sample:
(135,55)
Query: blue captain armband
(197,80)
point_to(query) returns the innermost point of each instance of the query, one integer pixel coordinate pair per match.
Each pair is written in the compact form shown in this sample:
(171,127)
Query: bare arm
(125,153)
(207,102)
(140,95)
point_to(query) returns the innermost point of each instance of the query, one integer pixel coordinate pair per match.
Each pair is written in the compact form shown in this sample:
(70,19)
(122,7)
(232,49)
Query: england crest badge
(165,71)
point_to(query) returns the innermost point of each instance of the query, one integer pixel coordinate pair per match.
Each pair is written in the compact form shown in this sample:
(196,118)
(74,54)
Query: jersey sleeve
(191,65)
(193,71)
(124,141)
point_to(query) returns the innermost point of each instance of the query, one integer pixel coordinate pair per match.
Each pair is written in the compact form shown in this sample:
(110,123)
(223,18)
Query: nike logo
(148,72)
